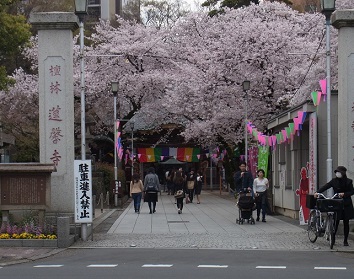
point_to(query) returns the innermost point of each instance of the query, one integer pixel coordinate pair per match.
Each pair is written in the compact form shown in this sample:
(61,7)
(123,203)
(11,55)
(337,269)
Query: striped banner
(184,154)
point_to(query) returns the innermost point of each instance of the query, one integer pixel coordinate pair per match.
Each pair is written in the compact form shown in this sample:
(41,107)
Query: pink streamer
(323,85)
(284,135)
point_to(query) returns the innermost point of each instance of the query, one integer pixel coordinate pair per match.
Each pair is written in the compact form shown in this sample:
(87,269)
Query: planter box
(28,243)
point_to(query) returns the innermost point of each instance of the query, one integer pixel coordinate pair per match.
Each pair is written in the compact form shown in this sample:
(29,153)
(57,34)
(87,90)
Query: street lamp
(114,88)
(328,7)
(132,128)
(246,86)
(81,11)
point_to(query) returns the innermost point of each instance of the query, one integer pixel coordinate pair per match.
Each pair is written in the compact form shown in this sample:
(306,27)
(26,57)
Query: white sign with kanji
(83,191)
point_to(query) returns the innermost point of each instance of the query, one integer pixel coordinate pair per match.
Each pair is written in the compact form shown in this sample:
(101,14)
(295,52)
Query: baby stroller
(246,205)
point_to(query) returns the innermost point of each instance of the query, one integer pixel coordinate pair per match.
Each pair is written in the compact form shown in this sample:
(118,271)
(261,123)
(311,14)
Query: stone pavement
(209,225)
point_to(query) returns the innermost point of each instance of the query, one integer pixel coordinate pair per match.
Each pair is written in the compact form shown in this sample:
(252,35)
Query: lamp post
(114,88)
(81,11)
(132,128)
(246,86)
(328,7)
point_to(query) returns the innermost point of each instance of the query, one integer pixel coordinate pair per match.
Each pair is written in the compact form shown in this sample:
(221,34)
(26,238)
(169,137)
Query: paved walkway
(211,224)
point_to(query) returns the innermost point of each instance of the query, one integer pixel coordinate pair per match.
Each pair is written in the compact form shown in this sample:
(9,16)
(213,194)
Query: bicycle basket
(329,205)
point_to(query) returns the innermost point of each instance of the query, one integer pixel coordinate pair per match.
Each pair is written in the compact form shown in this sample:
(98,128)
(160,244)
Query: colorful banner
(184,154)
(263,154)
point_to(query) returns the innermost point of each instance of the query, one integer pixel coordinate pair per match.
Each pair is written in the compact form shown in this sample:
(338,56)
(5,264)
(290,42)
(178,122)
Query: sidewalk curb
(33,258)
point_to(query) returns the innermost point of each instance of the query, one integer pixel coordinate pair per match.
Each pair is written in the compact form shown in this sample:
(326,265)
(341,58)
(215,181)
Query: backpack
(151,183)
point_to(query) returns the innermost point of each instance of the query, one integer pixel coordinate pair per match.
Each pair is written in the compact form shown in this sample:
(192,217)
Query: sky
(194,4)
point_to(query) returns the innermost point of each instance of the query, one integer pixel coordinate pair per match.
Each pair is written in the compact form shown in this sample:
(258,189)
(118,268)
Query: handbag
(179,194)
(190,185)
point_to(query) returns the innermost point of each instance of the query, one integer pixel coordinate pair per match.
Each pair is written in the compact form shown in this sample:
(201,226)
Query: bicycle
(320,224)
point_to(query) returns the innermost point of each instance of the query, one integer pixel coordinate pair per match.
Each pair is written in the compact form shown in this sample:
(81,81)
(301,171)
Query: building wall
(104,9)
(288,158)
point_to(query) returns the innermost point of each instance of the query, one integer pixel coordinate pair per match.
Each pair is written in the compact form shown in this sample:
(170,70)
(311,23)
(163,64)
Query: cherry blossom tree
(194,70)
(19,115)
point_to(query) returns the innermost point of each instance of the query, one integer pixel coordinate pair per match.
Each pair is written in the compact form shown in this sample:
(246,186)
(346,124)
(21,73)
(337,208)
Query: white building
(105,9)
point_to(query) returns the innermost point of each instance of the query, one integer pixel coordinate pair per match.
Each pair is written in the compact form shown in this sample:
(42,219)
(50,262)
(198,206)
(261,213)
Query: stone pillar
(63,232)
(56,102)
(343,20)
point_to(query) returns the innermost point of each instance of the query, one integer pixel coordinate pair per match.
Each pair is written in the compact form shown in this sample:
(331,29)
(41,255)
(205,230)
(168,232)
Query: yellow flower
(4,236)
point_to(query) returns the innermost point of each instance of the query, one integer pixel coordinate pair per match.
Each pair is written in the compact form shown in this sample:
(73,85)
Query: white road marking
(102,265)
(49,265)
(271,266)
(157,265)
(213,265)
(329,267)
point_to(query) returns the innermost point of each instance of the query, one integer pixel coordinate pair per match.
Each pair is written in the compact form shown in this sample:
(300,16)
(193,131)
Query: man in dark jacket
(343,186)
(243,179)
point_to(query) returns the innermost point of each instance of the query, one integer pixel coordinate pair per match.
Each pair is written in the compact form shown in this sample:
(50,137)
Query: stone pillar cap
(54,20)
(343,18)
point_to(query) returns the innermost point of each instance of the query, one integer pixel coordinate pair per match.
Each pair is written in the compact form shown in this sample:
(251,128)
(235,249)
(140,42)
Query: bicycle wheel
(330,231)
(311,226)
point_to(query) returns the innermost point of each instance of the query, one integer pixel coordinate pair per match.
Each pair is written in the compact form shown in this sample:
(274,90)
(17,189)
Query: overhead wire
(308,70)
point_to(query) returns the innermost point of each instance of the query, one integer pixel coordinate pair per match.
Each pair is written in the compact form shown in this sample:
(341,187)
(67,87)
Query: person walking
(260,187)
(136,191)
(243,179)
(343,186)
(191,181)
(151,188)
(199,185)
(179,182)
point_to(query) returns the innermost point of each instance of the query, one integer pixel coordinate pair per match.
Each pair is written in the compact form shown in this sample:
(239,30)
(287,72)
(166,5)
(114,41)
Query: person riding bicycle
(343,186)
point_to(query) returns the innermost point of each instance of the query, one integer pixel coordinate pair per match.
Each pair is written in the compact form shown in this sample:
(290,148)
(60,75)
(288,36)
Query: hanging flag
(284,135)
(288,133)
(323,85)
(157,153)
(263,153)
(302,116)
(316,97)
(196,152)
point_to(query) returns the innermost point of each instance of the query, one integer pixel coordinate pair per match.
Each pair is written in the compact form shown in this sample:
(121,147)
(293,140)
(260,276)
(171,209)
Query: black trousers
(153,203)
(191,194)
(346,228)
(261,203)
(180,203)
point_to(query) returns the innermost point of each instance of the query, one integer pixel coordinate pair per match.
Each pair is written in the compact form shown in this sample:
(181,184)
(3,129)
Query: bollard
(121,199)
(107,198)
(116,194)
(101,199)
